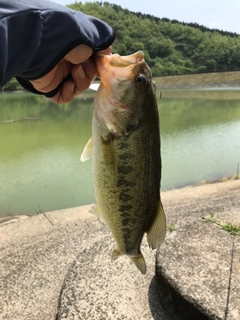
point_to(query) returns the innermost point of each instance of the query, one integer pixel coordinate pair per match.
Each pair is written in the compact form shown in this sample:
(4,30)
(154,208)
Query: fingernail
(72,89)
(81,72)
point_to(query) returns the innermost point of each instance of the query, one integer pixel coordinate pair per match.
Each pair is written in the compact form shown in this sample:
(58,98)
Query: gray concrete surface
(198,266)
(35,255)
(97,288)
(58,265)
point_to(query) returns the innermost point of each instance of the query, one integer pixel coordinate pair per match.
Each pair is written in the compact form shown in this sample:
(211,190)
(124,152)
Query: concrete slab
(233,310)
(11,219)
(69,215)
(58,264)
(97,288)
(194,264)
(35,256)
(196,270)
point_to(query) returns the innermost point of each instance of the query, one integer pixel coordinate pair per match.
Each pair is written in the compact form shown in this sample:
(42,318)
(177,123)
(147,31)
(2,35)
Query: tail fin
(137,260)
(140,263)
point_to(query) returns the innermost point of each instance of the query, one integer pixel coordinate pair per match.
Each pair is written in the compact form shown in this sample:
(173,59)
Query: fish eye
(140,79)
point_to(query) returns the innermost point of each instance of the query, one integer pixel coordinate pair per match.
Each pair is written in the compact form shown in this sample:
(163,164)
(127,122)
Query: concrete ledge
(58,264)
(198,265)
(97,288)
(35,255)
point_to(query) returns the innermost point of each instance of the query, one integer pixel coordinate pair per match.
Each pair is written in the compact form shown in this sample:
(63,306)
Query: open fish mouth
(116,66)
(105,63)
(117,61)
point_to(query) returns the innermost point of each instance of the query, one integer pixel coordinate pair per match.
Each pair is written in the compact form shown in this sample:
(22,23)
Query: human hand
(80,64)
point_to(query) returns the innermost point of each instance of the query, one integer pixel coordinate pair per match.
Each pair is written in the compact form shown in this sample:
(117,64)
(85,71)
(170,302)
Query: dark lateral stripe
(125,197)
(125,207)
(125,169)
(126,156)
(125,183)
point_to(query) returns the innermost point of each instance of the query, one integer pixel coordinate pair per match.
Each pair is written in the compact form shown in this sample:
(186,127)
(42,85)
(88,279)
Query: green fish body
(125,148)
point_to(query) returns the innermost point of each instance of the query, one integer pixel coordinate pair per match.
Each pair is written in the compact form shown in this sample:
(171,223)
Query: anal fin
(95,210)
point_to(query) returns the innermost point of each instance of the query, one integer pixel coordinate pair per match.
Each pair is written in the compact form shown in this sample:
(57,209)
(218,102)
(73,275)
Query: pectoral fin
(116,254)
(87,151)
(157,231)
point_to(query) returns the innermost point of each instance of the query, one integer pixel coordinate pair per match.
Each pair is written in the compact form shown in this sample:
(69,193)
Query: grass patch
(39,210)
(210,218)
(171,227)
(229,227)
(232,229)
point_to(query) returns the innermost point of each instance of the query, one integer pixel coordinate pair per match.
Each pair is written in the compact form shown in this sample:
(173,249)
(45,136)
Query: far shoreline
(228,79)
(214,80)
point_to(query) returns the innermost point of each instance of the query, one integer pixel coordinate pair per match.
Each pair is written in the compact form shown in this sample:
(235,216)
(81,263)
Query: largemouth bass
(125,147)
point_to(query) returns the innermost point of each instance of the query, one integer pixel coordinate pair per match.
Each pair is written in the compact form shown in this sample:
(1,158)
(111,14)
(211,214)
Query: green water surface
(41,142)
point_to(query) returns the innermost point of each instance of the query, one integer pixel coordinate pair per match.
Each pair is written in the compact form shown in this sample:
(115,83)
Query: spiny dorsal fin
(157,231)
(87,151)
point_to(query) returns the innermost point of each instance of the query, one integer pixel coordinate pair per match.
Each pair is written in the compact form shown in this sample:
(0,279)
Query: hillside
(171,47)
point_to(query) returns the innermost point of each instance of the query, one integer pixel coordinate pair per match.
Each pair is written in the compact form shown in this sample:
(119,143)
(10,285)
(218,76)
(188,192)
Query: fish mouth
(116,66)
(123,61)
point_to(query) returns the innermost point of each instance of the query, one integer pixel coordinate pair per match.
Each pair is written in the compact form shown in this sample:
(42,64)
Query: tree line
(170,47)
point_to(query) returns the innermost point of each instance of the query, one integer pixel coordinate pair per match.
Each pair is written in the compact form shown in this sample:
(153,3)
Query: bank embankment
(204,80)
(57,265)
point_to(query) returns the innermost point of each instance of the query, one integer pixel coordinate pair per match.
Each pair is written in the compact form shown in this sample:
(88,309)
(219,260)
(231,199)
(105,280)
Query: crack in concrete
(47,218)
(230,278)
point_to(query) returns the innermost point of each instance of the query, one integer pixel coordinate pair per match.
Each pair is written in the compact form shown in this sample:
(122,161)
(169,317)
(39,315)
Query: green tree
(122,49)
(170,46)
(211,65)
(12,85)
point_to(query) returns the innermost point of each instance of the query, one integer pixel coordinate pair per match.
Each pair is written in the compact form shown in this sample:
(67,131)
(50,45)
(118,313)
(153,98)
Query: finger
(66,94)
(90,68)
(51,80)
(79,54)
(83,75)
(106,51)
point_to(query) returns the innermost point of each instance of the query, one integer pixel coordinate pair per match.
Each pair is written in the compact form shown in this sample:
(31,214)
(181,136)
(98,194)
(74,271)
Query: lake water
(39,157)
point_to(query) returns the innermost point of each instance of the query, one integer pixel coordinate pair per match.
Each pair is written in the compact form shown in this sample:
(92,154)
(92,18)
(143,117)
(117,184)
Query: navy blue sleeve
(35,35)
